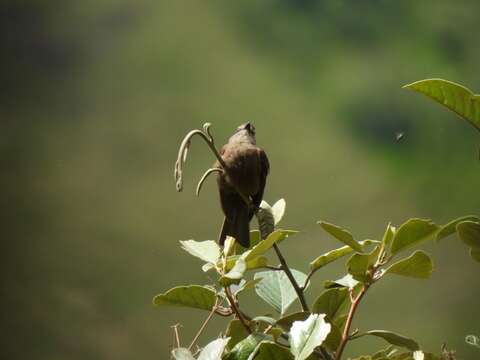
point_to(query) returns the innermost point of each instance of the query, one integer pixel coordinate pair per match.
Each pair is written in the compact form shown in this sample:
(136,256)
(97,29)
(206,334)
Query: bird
(247,167)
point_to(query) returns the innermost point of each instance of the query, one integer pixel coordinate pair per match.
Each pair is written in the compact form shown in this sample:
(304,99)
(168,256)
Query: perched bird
(246,171)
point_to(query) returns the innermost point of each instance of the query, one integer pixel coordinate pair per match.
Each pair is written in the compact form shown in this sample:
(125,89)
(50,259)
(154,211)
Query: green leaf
(334,338)
(194,296)
(451,227)
(306,335)
(278,210)
(401,356)
(469,232)
(395,339)
(342,235)
(329,257)
(388,235)
(266,221)
(455,97)
(267,324)
(383,354)
(264,319)
(336,254)
(287,321)
(246,285)
(182,354)
(236,332)
(268,350)
(235,275)
(418,265)
(265,245)
(413,232)
(207,267)
(332,302)
(359,264)
(255,238)
(257,262)
(347,281)
(416,355)
(208,250)
(214,350)
(475,254)
(247,346)
(275,288)
(253,263)
(275,332)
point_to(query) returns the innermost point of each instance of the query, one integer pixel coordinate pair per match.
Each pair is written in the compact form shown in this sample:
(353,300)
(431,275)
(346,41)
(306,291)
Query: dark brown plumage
(247,168)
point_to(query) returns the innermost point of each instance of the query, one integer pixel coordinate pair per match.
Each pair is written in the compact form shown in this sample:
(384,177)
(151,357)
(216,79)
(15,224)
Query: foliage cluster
(322,329)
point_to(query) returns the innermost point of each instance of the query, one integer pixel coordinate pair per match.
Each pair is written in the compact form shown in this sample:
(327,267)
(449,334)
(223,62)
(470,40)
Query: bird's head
(248,127)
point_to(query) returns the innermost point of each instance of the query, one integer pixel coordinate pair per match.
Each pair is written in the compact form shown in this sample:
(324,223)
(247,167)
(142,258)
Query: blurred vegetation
(96,97)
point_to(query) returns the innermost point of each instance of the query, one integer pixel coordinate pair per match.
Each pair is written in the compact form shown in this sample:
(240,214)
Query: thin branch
(204,177)
(348,324)
(286,269)
(223,311)
(177,337)
(183,151)
(267,329)
(309,275)
(204,324)
(236,310)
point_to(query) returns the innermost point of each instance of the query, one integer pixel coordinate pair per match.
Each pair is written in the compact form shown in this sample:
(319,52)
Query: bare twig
(204,324)
(177,337)
(223,311)
(348,324)
(236,310)
(309,275)
(267,329)
(286,269)
(204,177)
(183,151)
(346,336)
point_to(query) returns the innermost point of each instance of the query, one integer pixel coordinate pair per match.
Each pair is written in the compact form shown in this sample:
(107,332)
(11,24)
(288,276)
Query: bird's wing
(264,166)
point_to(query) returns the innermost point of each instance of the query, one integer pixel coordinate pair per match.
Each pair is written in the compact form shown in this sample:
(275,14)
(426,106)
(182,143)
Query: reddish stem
(348,324)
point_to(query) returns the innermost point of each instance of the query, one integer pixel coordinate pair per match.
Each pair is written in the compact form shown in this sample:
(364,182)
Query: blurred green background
(97,95)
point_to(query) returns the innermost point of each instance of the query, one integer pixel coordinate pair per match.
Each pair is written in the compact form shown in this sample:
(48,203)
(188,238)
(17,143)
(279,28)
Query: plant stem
(176,337)
(223,311)
(183,150)
(348,324)
(204,177)
(204,325)
(310,274)
(236,310)
(286,269)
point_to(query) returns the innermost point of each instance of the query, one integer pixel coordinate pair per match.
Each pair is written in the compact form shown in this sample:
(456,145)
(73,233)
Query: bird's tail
(238,227)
